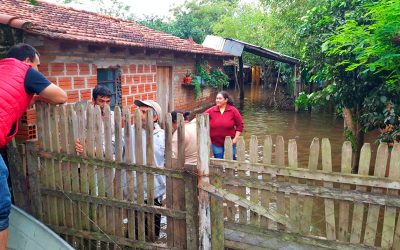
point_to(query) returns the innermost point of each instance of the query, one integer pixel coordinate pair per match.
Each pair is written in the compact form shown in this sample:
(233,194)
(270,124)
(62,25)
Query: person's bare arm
(52,94)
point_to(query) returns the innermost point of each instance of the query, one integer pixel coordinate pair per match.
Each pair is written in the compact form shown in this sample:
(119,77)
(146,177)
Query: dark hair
(22,51)
(225,95)
(175,113)
(101,90)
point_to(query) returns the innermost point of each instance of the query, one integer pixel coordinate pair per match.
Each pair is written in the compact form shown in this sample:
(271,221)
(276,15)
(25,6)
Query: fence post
(18,175)
(34,181)
(203,147)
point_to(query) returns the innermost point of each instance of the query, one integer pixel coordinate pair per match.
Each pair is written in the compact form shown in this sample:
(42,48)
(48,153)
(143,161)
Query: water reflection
(261,120)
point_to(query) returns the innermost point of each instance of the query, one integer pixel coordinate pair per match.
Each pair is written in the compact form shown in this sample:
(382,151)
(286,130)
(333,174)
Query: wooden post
(34,181)
(18,175)
(240,78)
(203,162)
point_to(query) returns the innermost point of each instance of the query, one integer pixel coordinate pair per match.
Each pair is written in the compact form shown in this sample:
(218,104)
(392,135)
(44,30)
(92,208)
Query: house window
(111,78)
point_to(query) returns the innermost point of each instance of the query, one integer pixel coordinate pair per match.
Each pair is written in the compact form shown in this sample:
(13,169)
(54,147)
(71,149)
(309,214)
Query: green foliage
(197,87)
(349,43)
(213,76)
(318,98)
(193,18)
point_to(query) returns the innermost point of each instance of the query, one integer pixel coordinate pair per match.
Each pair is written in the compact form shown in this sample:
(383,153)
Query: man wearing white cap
(158,149)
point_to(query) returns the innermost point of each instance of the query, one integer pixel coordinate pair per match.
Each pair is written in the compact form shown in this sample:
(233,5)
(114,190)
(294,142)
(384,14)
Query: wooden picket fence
(89,199)
(267,202)
(271,202)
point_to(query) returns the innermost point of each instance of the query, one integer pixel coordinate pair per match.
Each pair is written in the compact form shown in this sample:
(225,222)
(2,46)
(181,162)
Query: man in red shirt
(21,84)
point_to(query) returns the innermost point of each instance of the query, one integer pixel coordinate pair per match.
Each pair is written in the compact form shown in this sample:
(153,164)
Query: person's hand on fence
(78,147)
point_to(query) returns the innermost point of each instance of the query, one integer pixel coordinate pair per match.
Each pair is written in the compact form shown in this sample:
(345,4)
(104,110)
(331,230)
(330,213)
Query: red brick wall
(138,81)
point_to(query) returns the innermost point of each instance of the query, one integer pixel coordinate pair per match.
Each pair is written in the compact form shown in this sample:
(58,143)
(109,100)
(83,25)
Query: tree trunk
(357,133)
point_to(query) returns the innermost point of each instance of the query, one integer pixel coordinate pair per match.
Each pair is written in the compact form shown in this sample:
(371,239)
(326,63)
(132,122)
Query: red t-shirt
(225,124)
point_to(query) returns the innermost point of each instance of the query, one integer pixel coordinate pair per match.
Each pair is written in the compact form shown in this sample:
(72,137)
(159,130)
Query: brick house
(80,49)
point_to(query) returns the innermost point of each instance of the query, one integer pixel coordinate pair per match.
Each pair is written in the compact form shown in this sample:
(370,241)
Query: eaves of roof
(59,22)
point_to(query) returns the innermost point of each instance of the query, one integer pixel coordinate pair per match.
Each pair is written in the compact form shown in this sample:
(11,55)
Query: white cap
(152,104)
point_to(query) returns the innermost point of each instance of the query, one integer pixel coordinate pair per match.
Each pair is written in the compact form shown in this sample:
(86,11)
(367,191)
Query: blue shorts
(5,196)
(218,152)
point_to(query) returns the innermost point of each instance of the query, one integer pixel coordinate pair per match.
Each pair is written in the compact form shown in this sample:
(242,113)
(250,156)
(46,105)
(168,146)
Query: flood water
(261,120)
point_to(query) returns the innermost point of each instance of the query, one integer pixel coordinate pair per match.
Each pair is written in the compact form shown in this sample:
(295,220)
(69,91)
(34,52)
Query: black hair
(175,113)
(22,51)
(225,95)
(101,90)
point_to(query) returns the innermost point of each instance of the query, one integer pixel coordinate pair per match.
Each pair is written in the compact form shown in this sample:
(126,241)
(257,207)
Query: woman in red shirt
(225,120)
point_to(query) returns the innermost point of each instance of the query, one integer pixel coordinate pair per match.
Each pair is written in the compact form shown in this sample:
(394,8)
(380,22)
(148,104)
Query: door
(164,89)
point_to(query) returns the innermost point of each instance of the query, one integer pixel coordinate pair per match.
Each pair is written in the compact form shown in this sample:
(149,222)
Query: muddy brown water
(261,120)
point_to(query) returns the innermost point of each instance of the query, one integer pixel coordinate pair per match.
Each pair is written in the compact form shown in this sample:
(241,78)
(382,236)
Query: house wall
(73,67)
(184,98)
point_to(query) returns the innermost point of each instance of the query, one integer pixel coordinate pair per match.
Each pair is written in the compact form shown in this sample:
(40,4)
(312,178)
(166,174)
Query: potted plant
(188,77)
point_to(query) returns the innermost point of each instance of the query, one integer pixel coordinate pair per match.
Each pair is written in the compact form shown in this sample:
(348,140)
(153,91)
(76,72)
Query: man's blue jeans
(218,152)
(5,196)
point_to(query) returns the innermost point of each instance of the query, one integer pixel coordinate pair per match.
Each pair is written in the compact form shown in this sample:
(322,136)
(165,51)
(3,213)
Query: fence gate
(104,198)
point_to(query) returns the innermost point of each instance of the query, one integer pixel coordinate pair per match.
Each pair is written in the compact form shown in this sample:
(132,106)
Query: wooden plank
(58,183)
(101,215)
(169,180)
(252,237)
(254,193)
(91,180)
(50,165)
(111,164)
(241,150)
(309,201)
(139,175)
(329,204)
(130,181)
(43,164)
(150,177)
(319,175)
(228,155)
(265,195)
(83,175)
(270,213)
(191,205)
(295,207)
(344,206)
(373,210)
(109,172)
(181,215)
(178,186)
(217,214)
(317,191)
(389,238)
(118,193)
(18,175)
(122,242)
(73,135)
(280,161)
(358,210)
(203,147)
(34,181)
(66,168)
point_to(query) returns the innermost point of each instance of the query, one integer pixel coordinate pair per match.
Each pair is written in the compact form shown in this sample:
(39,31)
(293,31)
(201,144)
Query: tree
(193,18)
(353,51)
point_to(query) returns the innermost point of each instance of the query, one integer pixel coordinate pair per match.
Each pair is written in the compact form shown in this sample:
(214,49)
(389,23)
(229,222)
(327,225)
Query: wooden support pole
(240,78)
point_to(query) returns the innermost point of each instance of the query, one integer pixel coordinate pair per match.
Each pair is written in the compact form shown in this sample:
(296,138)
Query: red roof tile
(58,22)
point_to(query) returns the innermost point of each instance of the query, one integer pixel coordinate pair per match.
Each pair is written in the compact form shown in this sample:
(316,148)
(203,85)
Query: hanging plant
(212,76)
(197,87)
